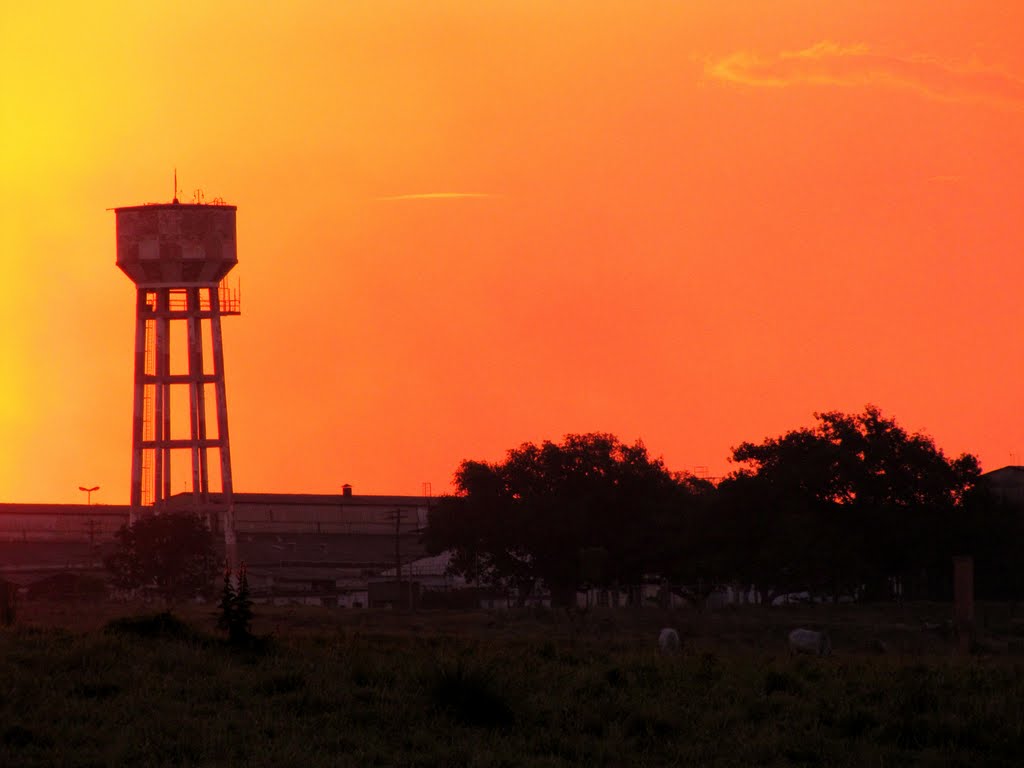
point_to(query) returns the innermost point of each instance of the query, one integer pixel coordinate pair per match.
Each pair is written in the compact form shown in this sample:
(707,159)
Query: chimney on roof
(346,490)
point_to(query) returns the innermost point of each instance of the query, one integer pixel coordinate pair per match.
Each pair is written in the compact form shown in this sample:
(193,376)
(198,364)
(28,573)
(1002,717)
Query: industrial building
(321,549)
(1007,484)
(307,548)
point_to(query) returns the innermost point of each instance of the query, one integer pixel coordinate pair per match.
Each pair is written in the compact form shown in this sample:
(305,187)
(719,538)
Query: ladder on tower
(148,393)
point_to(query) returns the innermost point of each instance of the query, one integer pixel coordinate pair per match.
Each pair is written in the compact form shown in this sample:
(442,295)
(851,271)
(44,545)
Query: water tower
(177,255)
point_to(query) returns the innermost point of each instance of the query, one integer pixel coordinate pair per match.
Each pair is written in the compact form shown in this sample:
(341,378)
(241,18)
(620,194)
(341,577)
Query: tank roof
(173,206)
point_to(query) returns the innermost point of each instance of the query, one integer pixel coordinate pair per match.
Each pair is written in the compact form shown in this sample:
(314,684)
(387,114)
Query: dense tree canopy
(172,553)
(852,505)
(588,509)
(853,500)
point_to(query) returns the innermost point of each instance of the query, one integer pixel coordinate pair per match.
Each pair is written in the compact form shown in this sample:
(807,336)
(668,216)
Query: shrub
(164,625)
(236,608)
(172,553)
(470,695)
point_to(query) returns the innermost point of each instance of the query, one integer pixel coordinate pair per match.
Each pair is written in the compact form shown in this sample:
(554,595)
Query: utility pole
(398,564)
(398,551)
(91,526)
(397,514)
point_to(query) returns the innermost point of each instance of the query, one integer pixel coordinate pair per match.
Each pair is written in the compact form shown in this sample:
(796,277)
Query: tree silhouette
(590,508)
(235,615)
(228,598)
(854,500)
(174,554)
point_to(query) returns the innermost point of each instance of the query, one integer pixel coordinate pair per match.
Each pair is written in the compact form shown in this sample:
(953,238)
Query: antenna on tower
(175,195)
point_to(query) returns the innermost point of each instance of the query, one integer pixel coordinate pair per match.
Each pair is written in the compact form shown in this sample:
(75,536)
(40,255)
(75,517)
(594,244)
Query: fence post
(963,601)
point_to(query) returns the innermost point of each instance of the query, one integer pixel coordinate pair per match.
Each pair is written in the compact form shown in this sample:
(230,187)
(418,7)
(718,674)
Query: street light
(88,492)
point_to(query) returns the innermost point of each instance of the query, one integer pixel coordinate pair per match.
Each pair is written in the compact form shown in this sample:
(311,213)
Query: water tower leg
(204,465)
(165,351)
(159,391)
(228,520)
(195,373)
(135,498)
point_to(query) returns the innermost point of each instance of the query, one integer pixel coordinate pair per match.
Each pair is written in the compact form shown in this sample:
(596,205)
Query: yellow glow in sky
(466,225)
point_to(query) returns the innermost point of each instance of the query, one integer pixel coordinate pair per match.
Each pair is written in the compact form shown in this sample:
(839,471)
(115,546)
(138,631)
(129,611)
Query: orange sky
(687,222)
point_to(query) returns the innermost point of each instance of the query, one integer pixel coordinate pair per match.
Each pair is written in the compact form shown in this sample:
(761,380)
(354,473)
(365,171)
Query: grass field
(362,688)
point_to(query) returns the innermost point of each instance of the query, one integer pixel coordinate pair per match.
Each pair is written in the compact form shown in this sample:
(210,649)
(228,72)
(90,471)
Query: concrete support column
(139,386)
(195,372)
(228,519)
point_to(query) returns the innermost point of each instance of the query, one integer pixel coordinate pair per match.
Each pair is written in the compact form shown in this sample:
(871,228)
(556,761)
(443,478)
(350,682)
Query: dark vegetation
(590,508)
(235,615)
(854,507)
(529,688)
(172,555)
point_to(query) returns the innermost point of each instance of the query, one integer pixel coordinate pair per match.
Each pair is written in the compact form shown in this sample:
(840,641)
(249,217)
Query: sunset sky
(463,225)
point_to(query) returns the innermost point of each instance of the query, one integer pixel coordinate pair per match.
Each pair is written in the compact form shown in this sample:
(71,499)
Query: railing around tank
(230,299)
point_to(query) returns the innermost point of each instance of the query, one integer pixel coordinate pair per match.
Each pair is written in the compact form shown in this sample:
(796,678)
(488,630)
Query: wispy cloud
(829,63)
(437,196)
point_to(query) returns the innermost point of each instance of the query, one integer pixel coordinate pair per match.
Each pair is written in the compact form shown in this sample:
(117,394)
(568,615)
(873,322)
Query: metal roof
(84,510)
(316,499)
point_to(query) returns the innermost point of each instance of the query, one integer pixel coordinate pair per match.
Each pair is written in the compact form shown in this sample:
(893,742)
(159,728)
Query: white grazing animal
(809,641)
(668,641)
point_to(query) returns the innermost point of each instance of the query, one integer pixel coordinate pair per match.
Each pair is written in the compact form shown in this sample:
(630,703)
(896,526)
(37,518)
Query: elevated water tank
(175,244)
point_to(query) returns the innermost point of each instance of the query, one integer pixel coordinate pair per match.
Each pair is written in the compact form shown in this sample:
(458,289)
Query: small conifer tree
(227,602)
(242,619)
(235,615)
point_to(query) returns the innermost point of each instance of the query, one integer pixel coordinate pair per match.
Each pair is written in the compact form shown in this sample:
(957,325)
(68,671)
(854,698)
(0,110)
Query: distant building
(1007,484)
(276,513)
(95,523)
(40,540)
(319,548)
(305,548)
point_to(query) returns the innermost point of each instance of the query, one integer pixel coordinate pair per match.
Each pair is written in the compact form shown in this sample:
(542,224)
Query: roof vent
(346,490)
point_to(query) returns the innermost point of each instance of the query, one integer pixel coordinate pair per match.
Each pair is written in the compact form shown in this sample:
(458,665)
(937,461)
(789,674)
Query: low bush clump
(163,625)
(470,693)
(236,608)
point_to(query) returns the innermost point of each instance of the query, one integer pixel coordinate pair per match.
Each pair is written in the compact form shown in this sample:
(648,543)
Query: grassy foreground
(361,688)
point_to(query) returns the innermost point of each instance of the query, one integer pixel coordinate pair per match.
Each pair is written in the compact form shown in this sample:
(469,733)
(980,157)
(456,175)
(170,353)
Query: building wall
(1007,483)
(294,543)
(320,514)
(60,522)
